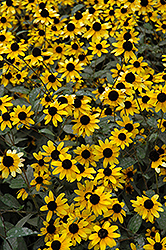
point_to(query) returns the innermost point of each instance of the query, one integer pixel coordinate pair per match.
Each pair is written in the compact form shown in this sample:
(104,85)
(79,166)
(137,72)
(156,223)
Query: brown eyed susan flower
(156,243)
(59,243)
(66,168)
(156,159)
(22,193)
(147,207)
(121,138)
(116,211)
(51,228)
(54,113)
(81,105)
(41,180)
(21,116)
(85,155)
(107,151)
(57,206)
(129,173)
(85,125)
(84,172)
(16,49)
(99,200)
(41,165)
(11,162)
(129,125)
(125,47)
(104,236)
(151,232)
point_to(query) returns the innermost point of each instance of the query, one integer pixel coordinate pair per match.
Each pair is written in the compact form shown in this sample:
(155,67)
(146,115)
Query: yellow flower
(11,162)
(85,155)
(147,207)
(58,205)
(22,193)
(116,210)
(120,138)
(59,242)
(103,236)
(5,102)
(5,121)
(156,243)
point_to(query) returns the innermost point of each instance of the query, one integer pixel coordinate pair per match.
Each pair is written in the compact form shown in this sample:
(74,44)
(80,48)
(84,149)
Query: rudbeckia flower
(104,236)
(155,243)
(57,206)
(147,207)
(11,162)
(59,243)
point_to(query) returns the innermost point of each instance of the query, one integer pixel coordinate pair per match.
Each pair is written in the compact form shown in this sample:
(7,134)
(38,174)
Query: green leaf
(135,223)
(68,129)
(141,152)
(33,94)
(20,89)
(13,243)
(153,137)
(110,78)
(76,8)
(17,183)
(21,222)
(141,242)
(18,232)
(127,162)
(162,219)
(46,131)
(10,201)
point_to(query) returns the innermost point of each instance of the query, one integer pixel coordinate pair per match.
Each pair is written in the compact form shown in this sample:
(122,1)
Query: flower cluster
(83,101)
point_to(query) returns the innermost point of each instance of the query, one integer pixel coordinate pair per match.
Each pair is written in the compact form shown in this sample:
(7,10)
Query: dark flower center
(22,115)
(163,26)
(94,199)
(77,103)
(108,111)
(36,52)
(42,5)
(3,20)
(164,77)
(14,47)
(91,10)
(160,151)
(1,102)
(18,76)
(111,12)
(51,229)
(78,15)
(164,124)
(74,46)
(145,99)
(122,137)
(8,76)
(58,49)
(161,97)
(144,3)
(62,100)
(127,104)
(47,99)
(113,95)
(136,64)
(96,26)
(44,13)
(56,20)
(123,10)
(9,3)
(55,154)
(154,155)
(84,120)
(99,46)
(152,234)
(101,89)
(102,233)
(130,77)
(130,174)
(85,154)
(127,46)
(73,228)
(2,38)
(56,245)
(6,116)
(39,180)
(127,36)
(157,246)
(70,27)
(81,57)
(52,111)
(107,171)
(148,204)
(52,205)
(120,86)
(129,127)
(52,78)
(67,164)
(41,162)
(65,218)
(107,152)
(81,168)
(70,67)
(41,33)
(116,208)
(8,161)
